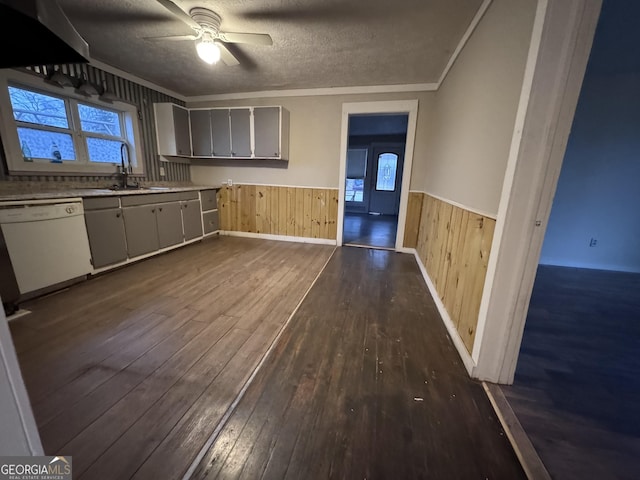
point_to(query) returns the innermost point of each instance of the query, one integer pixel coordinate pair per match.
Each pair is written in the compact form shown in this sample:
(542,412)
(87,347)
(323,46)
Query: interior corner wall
(314,145)
(471,125)
(597,196)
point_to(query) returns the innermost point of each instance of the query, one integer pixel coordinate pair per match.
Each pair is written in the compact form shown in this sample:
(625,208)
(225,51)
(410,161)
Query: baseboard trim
(468,362)
(525,451)
(281,238)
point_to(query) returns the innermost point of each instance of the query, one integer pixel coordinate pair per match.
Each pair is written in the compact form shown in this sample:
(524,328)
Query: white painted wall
(19,432)
(469,131)
(598,192)
(314,147)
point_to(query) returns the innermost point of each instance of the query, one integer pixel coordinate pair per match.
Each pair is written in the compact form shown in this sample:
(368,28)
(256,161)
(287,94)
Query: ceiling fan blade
(251,38)
(178,12)
(173,38)
(226,56)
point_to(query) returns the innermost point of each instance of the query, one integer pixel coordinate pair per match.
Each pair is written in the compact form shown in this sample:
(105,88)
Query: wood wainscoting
(277,210)
(454,245)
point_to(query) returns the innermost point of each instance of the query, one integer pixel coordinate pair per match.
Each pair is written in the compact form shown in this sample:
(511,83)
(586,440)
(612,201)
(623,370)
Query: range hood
(37,32)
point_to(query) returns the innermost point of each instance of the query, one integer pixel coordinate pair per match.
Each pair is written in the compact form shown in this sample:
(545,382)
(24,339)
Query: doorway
(575,384)
(377,146)
(375,161)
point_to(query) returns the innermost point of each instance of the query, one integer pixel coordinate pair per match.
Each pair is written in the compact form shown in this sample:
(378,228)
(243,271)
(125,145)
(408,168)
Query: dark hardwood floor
(577,389)
(370,230)
(363,384)
(130,372)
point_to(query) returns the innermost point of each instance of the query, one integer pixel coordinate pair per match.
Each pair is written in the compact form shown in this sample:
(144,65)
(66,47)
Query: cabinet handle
(186,205)
(153,210)
(160,209)
(118,215)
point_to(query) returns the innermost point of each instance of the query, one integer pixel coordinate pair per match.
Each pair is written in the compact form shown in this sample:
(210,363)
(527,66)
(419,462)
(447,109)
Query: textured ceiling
(316,43)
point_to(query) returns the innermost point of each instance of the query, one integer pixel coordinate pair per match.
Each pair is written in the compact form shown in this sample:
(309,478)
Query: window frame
(127,113)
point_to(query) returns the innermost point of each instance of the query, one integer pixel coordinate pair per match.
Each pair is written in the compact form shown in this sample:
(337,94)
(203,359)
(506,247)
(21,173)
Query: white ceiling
(316,43)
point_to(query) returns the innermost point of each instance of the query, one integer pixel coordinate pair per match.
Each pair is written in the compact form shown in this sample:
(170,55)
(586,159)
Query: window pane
(33,107)
(98,120)
(354,191)
(101,150)
(356,163)
(44,144)
(386,177)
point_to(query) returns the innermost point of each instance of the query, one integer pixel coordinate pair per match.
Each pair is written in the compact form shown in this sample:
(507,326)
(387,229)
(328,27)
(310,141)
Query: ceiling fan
(210,41)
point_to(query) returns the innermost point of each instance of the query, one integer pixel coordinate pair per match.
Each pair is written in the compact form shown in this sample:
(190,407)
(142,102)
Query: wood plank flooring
(370,230)
(131,371)
(577,390)
(363,384)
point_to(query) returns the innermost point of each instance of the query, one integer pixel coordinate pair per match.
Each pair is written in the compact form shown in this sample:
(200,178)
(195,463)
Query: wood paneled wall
(412,225)
(143,98)
(290,211)
(454,246)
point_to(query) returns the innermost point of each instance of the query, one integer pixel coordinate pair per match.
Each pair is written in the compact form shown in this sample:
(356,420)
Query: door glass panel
(386,174)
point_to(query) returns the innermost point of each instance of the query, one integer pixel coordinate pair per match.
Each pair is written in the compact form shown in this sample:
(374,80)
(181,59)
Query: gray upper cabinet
(169,222)
(266,126)
(238,132)
(201,140)
(241,132)
(105,229)
(172,130)
(221,132)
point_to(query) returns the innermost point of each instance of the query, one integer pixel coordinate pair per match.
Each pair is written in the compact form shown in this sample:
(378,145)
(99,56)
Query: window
(386,176)
(356,173)
(54,130)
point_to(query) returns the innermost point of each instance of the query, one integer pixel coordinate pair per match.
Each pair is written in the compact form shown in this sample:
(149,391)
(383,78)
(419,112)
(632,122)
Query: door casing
(409,107)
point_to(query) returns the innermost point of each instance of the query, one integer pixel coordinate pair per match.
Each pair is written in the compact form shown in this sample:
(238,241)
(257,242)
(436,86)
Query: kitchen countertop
(99,192)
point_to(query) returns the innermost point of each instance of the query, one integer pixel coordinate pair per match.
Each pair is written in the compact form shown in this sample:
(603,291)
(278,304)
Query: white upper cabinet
(172,130)
(237,132)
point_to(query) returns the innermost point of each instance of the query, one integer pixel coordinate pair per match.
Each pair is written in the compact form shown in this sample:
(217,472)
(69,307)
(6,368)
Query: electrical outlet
(593,242)
(229,182)
(162,172)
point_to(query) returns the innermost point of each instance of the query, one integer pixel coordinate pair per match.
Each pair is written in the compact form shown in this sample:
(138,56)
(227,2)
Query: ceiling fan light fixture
(207,50)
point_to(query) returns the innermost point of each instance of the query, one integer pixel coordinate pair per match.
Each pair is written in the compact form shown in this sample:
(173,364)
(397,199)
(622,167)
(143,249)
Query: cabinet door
(210,221)
(141,230)
(191,219)
(240,132)
(209,200)
(221,132)
(266,129)
(181,130)
(106,236)
(201,133)
(169,224)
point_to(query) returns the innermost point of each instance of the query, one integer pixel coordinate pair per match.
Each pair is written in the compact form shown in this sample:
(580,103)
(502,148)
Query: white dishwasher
(46,241)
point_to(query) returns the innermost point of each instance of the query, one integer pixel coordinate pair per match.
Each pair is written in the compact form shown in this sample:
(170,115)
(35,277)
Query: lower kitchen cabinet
(141,229)
(191,219)
(121,228)
(169,221)
(107,242)
(210,221)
